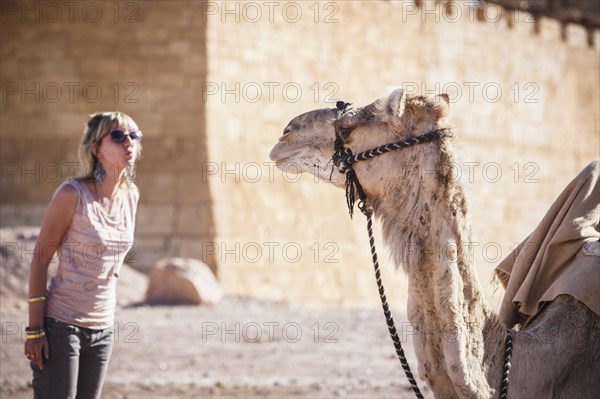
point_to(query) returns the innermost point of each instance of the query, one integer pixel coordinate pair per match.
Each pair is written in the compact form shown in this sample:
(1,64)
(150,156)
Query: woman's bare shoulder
(67,191)
(65,197)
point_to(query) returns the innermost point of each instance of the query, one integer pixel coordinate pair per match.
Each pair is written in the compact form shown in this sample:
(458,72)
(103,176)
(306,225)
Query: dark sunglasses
(118,135)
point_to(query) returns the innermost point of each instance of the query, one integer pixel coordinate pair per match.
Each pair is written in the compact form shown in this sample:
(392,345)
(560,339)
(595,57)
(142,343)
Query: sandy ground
(239,348)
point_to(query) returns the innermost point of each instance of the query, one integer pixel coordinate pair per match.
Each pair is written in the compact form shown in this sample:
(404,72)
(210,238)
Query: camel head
(307,143)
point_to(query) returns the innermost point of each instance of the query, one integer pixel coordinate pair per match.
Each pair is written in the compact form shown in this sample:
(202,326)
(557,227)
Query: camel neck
(454,329)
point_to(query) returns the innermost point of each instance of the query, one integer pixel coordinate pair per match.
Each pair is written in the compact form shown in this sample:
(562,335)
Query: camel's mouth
(289,166)
(282,163)
(282,152)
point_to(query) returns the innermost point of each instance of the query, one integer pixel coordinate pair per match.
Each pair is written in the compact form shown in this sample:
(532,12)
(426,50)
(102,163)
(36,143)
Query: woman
(89,223)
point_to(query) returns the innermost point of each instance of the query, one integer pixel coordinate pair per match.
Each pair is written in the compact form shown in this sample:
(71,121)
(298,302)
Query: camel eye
(287,130)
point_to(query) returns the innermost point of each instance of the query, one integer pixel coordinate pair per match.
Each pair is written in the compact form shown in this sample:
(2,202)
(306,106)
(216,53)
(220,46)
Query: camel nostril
(286,133)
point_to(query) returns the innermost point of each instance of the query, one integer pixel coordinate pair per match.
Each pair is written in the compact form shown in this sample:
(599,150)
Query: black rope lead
(351,184)
(386,309)
(506,371)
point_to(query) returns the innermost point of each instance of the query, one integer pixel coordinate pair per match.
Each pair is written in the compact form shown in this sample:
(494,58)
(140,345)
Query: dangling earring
(130,175)
(99,172)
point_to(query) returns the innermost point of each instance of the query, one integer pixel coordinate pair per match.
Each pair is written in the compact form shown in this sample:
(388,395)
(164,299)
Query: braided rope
(506,371)
(386,309)
(344,159)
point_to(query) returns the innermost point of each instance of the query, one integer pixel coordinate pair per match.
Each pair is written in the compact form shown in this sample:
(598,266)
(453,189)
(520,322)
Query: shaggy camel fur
(415,193)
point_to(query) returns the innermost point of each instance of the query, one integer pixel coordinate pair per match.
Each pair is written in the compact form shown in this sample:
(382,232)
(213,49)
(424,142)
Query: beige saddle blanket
(561,256)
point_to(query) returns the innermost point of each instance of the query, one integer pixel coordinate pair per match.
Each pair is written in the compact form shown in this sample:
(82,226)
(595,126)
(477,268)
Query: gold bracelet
(34,299)
(36,336)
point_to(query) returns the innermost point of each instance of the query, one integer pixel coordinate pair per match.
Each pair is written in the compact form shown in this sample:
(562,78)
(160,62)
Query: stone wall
(61,62)
(524,106)
(217,82)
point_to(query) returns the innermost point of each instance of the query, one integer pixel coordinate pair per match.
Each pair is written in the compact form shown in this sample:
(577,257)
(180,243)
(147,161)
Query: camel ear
(443,97)
(394,105)
(442,104)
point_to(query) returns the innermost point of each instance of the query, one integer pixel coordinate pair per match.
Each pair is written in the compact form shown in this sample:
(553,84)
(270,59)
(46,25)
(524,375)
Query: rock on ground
(183,281)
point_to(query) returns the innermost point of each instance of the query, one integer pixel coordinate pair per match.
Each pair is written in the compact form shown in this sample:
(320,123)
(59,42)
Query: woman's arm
(54,226)
(56,221)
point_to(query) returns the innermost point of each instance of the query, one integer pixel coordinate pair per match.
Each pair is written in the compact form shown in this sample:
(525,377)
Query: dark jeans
(77,363)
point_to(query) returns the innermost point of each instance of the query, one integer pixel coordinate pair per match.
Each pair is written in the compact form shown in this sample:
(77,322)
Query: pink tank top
(83,291)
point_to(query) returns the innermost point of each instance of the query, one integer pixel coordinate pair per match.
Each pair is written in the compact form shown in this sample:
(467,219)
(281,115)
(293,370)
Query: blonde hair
(96,127)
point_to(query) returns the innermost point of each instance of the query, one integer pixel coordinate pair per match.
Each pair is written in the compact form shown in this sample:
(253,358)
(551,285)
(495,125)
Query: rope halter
(343,158)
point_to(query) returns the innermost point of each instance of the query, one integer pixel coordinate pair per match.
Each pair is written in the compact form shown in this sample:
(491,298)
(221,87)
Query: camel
(459,341)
